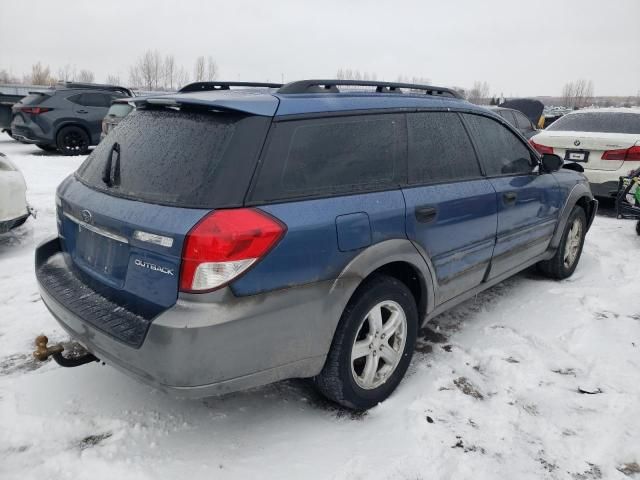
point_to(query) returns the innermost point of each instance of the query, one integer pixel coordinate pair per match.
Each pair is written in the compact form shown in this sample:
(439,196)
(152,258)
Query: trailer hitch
(80,356)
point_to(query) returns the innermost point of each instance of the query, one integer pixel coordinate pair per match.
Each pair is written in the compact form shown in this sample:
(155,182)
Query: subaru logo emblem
(86,216)
(577,143)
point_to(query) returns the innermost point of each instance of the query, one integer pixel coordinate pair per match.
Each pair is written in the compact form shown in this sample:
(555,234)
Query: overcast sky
(519,47)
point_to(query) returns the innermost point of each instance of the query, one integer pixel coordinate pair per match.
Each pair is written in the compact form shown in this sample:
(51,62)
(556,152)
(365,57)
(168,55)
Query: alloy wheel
(572,244)
(379,345)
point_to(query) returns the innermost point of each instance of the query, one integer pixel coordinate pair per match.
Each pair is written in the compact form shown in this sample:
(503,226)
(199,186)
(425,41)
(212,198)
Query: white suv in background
(606,141)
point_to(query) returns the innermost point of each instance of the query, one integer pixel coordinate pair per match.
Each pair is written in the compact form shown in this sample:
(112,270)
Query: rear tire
(372,346)
(638,227)
(72,141)
(564,262)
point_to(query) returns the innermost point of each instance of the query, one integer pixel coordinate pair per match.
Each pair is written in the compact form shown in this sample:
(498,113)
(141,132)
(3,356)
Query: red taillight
(225,244)
(633,154)
(35,110)
(629,154)
(541,149)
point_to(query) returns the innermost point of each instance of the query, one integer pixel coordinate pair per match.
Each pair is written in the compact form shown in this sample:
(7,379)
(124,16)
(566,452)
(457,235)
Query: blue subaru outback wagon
(223,238)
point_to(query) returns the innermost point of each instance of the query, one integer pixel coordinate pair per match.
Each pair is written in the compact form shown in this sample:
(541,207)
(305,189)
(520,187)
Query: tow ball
(79,355)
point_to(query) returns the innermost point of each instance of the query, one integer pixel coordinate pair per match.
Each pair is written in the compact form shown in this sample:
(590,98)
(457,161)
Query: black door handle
(82,111)
(510,197)
(425,214)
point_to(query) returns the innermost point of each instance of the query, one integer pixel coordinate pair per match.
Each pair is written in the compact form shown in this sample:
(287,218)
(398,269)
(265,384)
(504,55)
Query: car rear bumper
(604,183)
(26,134)
(6,225)
(201,347)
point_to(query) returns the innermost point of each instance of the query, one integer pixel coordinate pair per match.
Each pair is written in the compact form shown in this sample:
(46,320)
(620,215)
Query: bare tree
(212,69)
(350,74)
(7,77)
(135,77)
(67,73)
(40,74)
(169,68)
(182,77)
(147,72)
(577,94)
(86,76)
(113,79)
(479,93)
(199,70)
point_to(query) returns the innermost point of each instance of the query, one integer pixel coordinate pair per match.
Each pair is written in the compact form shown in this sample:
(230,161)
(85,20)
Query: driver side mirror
(551,163)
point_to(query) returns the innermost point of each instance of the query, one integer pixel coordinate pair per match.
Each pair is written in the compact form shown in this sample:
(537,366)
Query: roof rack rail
(331,86)
(208,86)
(95,86)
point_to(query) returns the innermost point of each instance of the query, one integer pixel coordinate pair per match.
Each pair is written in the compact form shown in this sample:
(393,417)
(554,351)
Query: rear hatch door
(125,213)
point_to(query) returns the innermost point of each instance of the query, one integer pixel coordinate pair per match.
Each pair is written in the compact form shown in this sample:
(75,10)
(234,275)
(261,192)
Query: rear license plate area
(576,156)
(102,254)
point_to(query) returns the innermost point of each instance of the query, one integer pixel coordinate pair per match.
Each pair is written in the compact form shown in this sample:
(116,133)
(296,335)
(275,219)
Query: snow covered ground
(493,391)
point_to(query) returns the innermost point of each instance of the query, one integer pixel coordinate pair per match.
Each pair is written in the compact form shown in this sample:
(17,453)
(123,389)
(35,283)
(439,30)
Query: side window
(75,99)
(508,116)
(94,100)
(500,150)
(439,148)
(522,122)
(330,156)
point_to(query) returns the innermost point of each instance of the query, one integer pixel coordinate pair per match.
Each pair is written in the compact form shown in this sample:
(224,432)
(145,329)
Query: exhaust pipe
(80,354)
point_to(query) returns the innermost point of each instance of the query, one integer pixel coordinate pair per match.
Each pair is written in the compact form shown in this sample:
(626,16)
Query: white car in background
(14,209)
(605,141)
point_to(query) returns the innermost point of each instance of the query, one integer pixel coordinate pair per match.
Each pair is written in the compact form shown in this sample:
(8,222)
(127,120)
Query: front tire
(564,262)
(372,346)
(72,141)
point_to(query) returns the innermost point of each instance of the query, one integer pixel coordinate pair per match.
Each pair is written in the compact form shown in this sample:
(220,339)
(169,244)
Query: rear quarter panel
(310,251)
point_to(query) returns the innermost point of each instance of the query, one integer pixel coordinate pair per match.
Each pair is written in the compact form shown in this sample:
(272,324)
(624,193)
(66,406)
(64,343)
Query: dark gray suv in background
(67,118)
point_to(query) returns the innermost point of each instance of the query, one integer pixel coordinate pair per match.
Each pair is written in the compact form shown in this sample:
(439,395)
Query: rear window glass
(439,149)
(330,156)
(119,110)
(522,121)
(34,98)
(605,122)
(174,158)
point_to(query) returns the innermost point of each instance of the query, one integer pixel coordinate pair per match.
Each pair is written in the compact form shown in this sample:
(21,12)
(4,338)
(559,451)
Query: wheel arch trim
(381,254)
(578,192)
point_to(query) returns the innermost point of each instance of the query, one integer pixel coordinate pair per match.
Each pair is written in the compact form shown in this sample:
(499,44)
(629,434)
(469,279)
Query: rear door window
(508,116)
(500,150)
(522,122)
(439,149)
(330,156)
(95,100)
(179,158)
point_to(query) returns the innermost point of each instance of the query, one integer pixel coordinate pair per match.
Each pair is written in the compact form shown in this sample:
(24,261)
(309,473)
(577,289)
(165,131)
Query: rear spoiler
(263,105)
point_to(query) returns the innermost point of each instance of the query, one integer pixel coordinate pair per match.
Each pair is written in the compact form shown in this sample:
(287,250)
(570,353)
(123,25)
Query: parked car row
(605,141)
(67,118)
(220,239)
